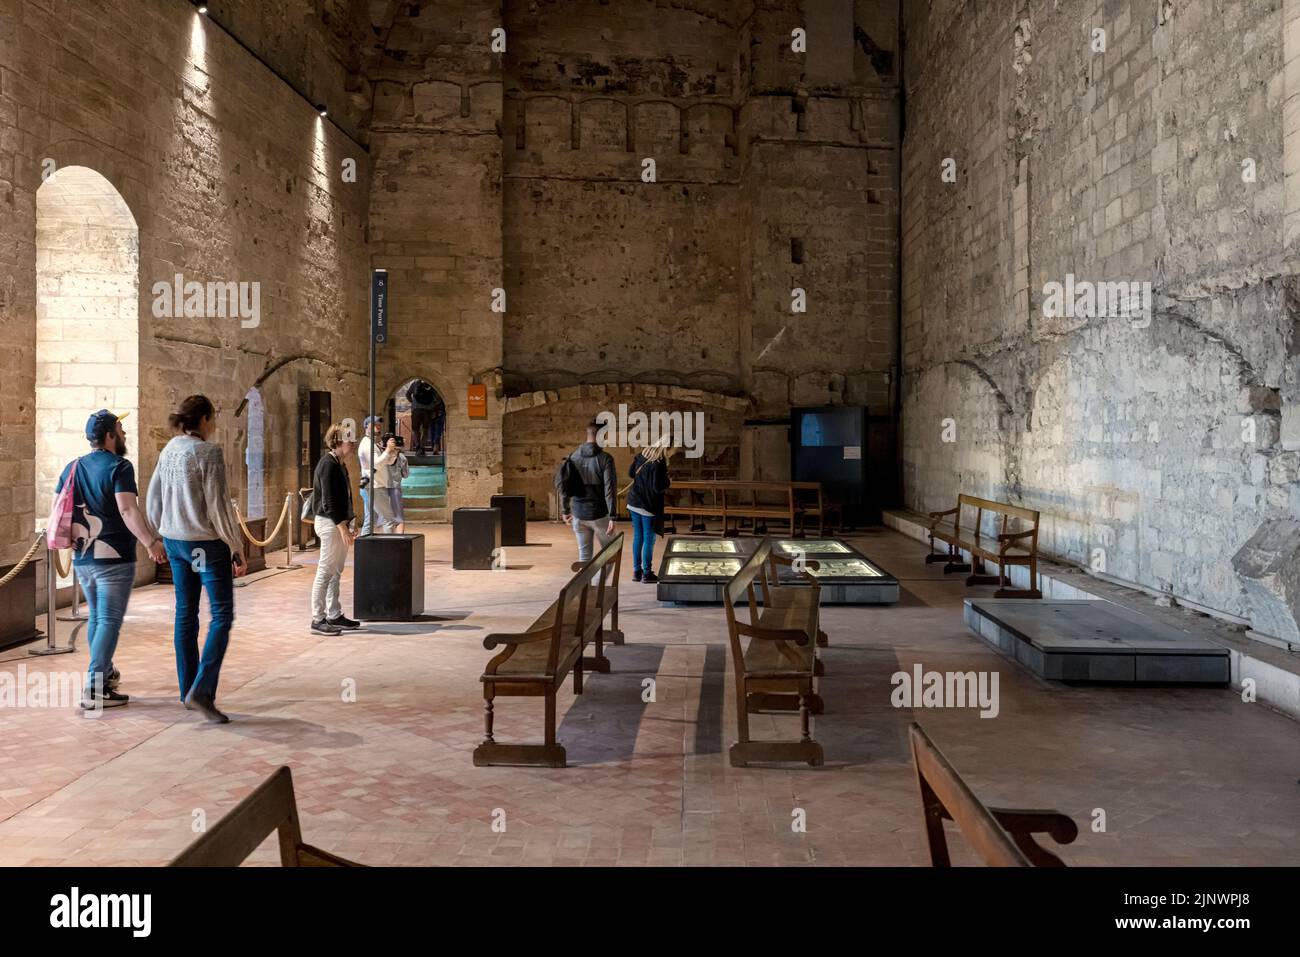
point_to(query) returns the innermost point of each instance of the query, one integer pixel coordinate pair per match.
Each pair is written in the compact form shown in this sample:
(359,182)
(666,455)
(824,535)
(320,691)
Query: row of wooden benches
(740,506)
(1001,837)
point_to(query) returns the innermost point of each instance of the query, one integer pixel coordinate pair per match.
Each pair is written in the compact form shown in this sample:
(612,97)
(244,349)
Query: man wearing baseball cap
(106,524)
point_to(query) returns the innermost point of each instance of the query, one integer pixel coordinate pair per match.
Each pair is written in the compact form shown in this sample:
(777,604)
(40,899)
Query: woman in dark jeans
(189,504)
(645,503)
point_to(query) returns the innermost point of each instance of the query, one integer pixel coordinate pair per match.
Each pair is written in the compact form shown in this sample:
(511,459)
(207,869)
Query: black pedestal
(388,577)
(514,518)
(18,609)
(475,535)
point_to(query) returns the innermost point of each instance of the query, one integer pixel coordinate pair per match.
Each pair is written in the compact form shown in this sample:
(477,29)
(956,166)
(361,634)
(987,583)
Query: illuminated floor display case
(698,569)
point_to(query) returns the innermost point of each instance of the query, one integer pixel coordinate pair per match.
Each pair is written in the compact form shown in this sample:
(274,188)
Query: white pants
(333,554)
(585,529)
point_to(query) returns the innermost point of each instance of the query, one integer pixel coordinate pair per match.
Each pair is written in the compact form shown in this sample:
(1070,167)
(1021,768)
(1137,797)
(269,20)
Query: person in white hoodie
(385,457)
(189,504)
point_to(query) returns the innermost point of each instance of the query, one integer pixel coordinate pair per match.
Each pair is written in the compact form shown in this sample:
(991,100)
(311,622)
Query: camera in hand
(401,442)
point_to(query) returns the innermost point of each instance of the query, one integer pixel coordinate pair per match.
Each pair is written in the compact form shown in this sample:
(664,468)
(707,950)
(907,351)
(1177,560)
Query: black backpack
(568,480)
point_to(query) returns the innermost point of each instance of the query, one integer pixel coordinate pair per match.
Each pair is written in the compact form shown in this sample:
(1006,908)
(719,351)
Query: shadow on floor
(602,724)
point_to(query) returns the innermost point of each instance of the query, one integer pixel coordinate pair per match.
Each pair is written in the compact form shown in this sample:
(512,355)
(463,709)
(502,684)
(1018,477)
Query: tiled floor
(1182,775)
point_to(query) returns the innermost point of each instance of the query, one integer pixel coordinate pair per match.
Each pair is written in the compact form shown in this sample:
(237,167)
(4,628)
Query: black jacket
(649,482)
(597,469)
(331,490)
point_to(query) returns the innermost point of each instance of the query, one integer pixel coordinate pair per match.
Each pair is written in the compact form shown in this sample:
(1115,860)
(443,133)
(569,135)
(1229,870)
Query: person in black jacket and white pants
(332,506)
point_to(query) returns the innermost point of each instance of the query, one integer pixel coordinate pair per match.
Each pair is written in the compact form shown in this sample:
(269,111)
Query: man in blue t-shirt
(106,523)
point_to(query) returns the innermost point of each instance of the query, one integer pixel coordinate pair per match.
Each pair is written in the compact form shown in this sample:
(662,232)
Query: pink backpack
(58,528)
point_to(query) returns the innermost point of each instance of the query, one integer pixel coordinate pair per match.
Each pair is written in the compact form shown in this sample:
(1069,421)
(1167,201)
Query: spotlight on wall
(200,6)
(320,108)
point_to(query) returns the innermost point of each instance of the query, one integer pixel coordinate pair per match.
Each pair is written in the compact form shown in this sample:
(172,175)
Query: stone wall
(436,221)
(1150,441)
(230,177)
(773,170)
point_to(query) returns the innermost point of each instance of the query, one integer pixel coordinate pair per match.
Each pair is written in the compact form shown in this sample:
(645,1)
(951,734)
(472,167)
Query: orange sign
(478,402)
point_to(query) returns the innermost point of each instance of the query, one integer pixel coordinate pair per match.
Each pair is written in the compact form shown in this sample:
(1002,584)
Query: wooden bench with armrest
(608,603)
(777,668)
(1001,837)
(1006,548)
(271,807)
(775,594)
(535,661)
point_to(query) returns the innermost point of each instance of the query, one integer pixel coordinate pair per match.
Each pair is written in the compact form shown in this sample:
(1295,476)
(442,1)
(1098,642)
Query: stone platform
(1095,641)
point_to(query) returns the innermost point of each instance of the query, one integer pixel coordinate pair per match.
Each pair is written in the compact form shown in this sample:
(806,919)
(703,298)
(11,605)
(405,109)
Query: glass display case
(811,546)
(703,546)
(844,568)
(685,567)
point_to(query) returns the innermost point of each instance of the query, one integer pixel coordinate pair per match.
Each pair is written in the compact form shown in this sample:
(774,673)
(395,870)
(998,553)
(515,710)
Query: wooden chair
(535,661)
(1002,837)
(242,830)
(1005,547)
(778,668)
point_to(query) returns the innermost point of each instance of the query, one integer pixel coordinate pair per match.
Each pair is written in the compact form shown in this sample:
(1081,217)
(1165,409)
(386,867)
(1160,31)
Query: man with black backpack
(586,485)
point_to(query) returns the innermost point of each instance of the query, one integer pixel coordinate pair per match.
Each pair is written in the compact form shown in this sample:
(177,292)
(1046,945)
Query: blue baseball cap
(370,420)
(101,423)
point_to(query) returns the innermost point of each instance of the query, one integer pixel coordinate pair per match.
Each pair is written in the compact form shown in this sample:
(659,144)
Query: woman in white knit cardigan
(189,504)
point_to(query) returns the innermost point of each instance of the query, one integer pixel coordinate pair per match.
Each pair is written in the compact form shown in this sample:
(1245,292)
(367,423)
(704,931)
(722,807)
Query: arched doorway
(417,413)
(87,318)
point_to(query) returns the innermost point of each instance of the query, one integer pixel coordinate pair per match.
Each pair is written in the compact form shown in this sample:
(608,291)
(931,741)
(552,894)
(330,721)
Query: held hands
(240,566)
(609,529)
(157,552)
(566,518)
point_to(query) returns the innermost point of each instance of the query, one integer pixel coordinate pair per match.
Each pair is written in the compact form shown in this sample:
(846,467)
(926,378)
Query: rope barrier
(23,562)
(56,556)
(284,512)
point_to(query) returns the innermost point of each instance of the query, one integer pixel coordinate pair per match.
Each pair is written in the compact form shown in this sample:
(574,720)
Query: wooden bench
(608,605)
(809,502)
(778,668)
(749,504)
(1002,837)
(1004,547)
(535,661)
(797,596)
(242,830)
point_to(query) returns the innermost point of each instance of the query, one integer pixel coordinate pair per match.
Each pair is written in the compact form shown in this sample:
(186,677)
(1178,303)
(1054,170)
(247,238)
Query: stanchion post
(291,519)
(51,614)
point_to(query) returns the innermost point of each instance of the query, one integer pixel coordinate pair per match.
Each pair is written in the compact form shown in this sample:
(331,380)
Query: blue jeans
(198,566)
(365,511)
(643,542)
(107,589)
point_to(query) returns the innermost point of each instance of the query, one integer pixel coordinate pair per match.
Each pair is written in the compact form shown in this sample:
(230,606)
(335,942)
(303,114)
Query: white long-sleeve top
(385,459)
(188,497)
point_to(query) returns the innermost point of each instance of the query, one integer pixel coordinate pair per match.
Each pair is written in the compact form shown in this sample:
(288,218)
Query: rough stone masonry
(1148,142)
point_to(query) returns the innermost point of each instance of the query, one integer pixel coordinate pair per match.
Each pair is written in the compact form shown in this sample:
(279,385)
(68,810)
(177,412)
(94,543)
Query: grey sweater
(188,498)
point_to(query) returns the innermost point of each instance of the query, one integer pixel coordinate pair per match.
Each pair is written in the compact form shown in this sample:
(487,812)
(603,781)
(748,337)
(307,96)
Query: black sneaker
(342,621)
(109,699)
(207,706)
(649,578)
(323,627)
(114,678)
(636,575)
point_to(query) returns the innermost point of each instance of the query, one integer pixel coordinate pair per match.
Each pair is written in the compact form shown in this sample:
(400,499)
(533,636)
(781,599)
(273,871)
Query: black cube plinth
(514,518)
(475,536)
(388,579)
(18,609)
